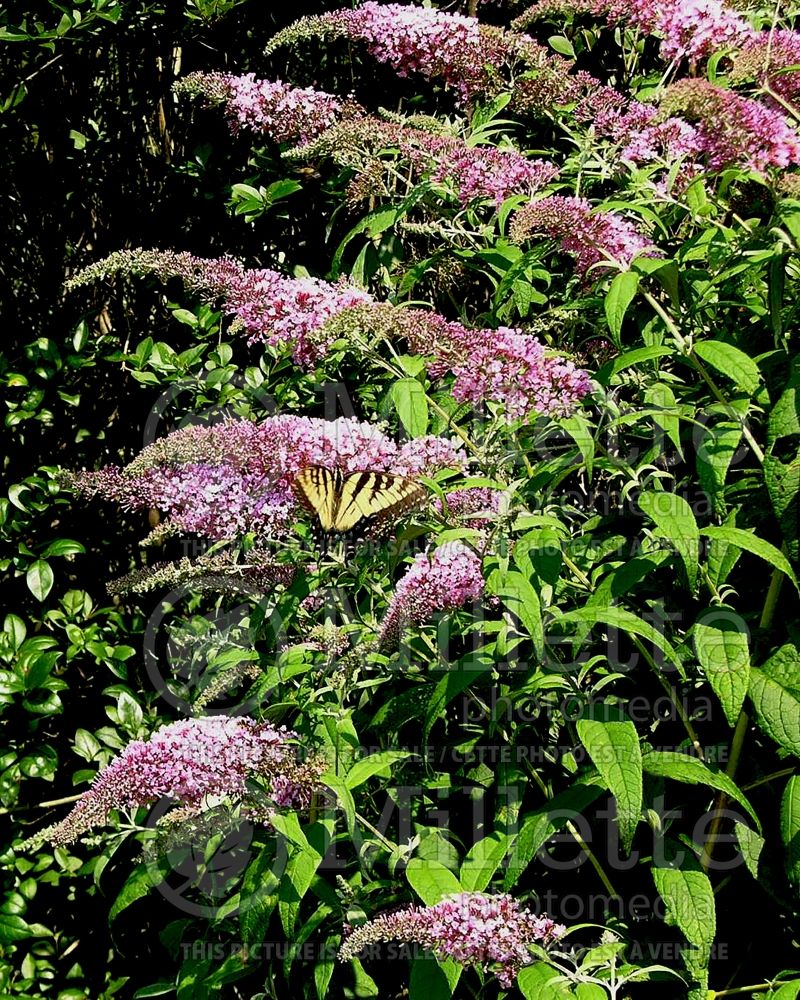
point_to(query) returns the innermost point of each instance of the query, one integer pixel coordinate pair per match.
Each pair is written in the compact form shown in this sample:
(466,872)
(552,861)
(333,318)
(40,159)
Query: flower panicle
(733,129)
(595,238)
(217,572)
(221,481)
(185,762)
(473,171)
(444,580)
(471,58)
(278,110)
(473,928)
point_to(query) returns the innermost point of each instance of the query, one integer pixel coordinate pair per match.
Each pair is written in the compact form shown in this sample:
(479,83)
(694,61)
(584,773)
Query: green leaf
(409,399)
(432,978)
(692,771)
(161,989)
(689,901)
(299,875)
(521,599)
(733,363)
(629,359)
(62,547)
(612,742)
(675,521)
(482,861)
(561,45)
(790,829)
(578,428)
(717,448)
(784,420)
(618,297)
(449,686)
(721,642)
(259,897)
(39,579)
(775,694)
(539,982)
(751,543)
(376,763)
(538,827)
(138,884)
(13,928)
(750,844)
(616,617)
(782,480)
(431,880)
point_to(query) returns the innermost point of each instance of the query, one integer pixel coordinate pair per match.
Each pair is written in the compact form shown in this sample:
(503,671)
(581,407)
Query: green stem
(670,692)
(592,860)
(43,805)
(760,988)
(701,369)
(669,322)
(770,777)
(578,572)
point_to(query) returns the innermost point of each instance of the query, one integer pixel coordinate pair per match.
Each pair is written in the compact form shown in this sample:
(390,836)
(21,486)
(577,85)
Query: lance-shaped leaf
(612,742)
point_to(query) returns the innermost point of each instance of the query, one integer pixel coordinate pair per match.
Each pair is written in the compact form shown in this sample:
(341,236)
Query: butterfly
(343,502)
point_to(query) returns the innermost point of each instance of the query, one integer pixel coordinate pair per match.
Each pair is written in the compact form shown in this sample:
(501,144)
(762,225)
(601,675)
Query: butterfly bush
(270,307)
(311,315)
(478,506)
(282,112)
(472,928)
(474,171)
(766,58)
(642,132)
(472,58)
(734,129)
(185,762)
(224,480)
(689,29)
(504,367)
(444,580)
(594,237)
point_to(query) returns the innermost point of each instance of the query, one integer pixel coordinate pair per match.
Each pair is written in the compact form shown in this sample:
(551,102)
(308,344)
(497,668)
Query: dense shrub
(526,279)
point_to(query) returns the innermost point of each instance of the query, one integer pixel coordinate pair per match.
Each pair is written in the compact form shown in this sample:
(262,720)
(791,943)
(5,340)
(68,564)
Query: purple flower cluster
(474,171)
(185,762)
(278,110)
(733,129)
(472,928)
(488,172)
(594,237)
(311,315)
(458,50)
(280,310)
(513,367)
(224,480)
(767,58)
(272,308)
(504,366)
(477,506)
(689,29)
(444,580)
(642,132)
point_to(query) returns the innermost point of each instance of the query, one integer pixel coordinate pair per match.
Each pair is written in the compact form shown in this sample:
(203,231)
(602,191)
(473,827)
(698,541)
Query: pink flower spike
(185,762)
(594,237)
(472,928)
(445,580)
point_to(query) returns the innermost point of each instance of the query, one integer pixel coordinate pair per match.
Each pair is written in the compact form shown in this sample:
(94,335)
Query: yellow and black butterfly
(342,503)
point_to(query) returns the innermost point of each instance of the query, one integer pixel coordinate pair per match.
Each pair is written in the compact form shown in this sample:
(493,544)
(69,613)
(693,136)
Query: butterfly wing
(375,496)
(318,490)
